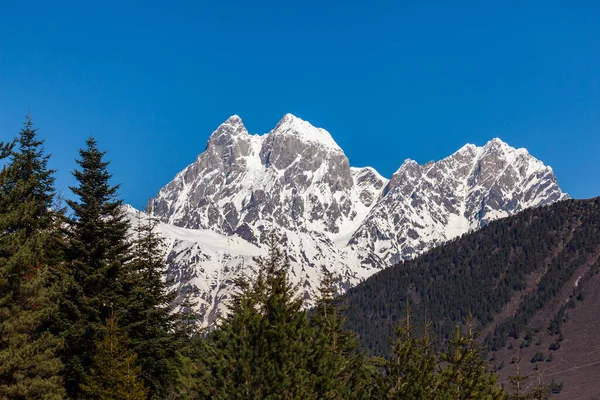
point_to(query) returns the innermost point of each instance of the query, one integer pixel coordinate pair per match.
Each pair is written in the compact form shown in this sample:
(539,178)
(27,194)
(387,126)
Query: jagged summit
(290,124)
(467,148)
(495,147)
(406,164)
(497,141)
(233,126)
(233,120)
(289,118)
(296,180)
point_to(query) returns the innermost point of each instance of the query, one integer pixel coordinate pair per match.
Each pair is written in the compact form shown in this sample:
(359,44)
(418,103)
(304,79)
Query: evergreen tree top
(94,178)
(26,177)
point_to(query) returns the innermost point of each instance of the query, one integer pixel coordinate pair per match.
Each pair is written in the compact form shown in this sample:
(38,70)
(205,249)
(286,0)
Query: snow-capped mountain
(426,205)
(297,181)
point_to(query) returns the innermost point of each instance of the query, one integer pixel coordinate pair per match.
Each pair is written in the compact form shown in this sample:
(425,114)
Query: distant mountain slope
(531,281)
(297,181)
(425,205)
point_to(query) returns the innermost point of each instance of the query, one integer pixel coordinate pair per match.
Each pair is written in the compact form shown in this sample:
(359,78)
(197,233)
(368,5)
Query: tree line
(85,312)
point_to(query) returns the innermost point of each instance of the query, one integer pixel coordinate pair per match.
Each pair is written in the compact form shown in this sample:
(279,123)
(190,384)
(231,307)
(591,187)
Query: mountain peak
(408,163)
(500,148)
(233,121)
(497,143)
(289,117)
(292,125)
(233,126)
(469,147)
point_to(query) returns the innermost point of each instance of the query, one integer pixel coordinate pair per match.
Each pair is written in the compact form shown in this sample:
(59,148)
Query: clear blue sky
(389,80)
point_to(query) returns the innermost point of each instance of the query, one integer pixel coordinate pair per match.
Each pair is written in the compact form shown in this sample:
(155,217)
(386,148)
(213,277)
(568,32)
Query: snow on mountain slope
(297,181)
(426,205)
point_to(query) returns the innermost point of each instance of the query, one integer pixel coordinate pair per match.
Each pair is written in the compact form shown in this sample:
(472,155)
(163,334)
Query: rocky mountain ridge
(297,181)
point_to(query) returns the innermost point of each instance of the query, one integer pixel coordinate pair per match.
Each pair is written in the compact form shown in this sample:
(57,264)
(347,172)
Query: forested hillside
(520,278)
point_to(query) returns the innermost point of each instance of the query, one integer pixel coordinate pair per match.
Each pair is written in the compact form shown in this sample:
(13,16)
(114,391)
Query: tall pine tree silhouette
(29,365)
(96,253)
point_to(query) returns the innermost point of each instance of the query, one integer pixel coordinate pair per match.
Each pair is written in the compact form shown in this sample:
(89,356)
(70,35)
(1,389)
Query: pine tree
(190,374)
(411,372)
(416,372)
(329,319)
(542,390)
(339,371)
(29,365)
(467,374)
(261,350)
(149,318)
(517,382)
(114,373)
(96,253)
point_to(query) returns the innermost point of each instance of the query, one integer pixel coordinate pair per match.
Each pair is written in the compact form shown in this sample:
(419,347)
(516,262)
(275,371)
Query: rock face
(297,181)
(426,205)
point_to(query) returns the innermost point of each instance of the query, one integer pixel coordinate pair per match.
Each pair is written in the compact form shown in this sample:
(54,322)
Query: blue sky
(390,80)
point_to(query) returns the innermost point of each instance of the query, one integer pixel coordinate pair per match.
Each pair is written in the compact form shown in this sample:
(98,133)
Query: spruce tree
(261,350)
(542,390)
(150,322)
(97,250)
(114,373)
(192,373)
(517,382)
(338,370)
(29,365)
(467,374)
(411,373)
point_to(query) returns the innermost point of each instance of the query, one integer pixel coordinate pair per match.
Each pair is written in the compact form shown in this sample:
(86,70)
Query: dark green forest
(85,313)
(524,260)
